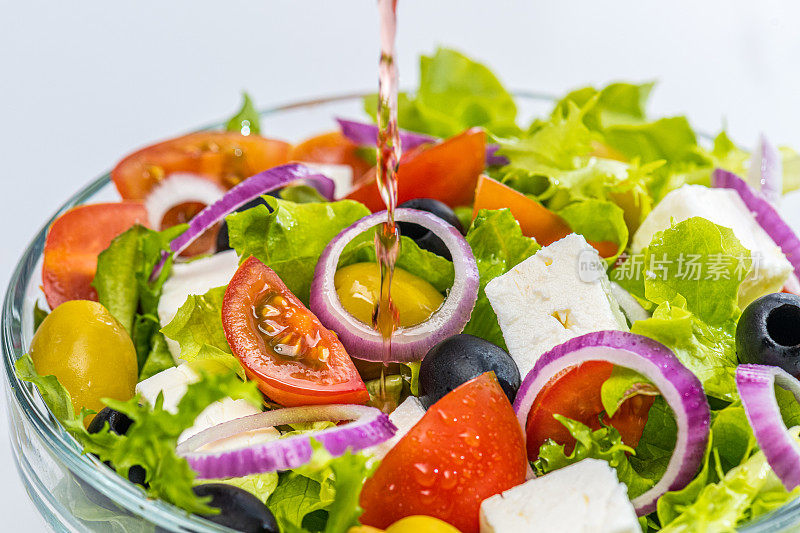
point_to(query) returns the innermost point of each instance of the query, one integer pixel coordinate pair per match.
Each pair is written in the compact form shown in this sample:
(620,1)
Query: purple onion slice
(411,343)
(756,386)
(766,170)
(365,134)
(677,384)
(369,427)
(764,213)
(246,191)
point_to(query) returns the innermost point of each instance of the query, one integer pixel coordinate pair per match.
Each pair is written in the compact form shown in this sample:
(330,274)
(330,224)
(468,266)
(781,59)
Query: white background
(83,82)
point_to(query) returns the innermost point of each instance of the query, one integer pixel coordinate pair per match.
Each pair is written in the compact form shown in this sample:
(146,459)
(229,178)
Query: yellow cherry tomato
(421,524)
(364,529)
(358,287)
(89,352)
(411,524)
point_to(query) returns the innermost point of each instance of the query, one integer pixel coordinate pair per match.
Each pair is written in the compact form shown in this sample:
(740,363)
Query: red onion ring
(365,134)
(248,190)
(766,170)
(756,386)
(408,344)
(176,189)
(679,386)
(369,427)
(764,213)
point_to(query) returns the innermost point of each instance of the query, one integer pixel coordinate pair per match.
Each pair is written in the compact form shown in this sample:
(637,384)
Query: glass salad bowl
(77,493)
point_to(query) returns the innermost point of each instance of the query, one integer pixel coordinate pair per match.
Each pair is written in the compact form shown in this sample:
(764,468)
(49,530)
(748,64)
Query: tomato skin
(575,394)
(468,447)
(73,243)
(287,382)
(331,148)
(535,220)
(447,172)
(223,157)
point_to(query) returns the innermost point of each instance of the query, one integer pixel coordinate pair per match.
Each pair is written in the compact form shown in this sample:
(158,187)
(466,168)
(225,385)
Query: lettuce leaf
(598,220)
(744,493)
(53,392)
(616,103)
(711,286)
(455,93)
(708,351)
(498,245)
(692,271)
(124,288)
(153,435)
(291,238)
(198,323)
(604,444)
(246,120)
(623,383)
(197,328)
(555,146)
(322,495)
(259,485)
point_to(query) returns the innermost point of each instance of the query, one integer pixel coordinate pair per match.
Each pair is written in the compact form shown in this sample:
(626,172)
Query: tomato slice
(331,148)
(447,172)
(467,447)
(575,394)
(223,157)
(283,347)
(73,243)
(535,220)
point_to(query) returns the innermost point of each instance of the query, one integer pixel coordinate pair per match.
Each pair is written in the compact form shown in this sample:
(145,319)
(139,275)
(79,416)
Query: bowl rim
(67,450)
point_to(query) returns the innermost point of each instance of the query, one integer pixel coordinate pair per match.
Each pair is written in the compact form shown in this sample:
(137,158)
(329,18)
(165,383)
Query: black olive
(223,243)
(239,509)
(768,332)
(117,423)
(460,358)
(425,238)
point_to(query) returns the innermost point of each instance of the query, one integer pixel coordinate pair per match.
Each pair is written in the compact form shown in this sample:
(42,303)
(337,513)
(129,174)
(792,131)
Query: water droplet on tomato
(471,439)
(449,480)
(424,474)
(427,496)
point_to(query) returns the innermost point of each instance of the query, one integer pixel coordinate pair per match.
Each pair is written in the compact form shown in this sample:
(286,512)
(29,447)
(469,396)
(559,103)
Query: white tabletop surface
(82,83)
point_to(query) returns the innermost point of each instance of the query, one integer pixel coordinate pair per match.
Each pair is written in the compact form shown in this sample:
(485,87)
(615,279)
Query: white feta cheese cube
(404,417)
(173,383)
(223,411)
(585,497)
(197,277)
(559,293)
(725,208)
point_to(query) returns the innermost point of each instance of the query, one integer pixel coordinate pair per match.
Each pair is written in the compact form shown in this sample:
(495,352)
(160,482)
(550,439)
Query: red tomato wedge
(447,171)
(467,447)
(73,243)
(331,148)
(575,394)
(283,347)
(221,156)
(535,220)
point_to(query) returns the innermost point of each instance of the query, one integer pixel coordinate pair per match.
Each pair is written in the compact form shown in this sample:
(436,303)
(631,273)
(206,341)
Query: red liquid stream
(387,238)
